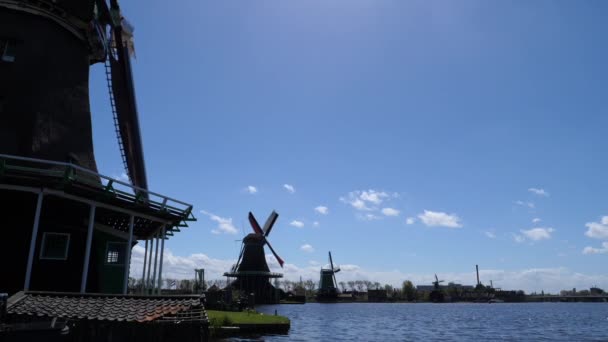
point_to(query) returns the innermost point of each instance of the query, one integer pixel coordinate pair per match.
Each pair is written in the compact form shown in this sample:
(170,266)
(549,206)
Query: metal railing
(67,171)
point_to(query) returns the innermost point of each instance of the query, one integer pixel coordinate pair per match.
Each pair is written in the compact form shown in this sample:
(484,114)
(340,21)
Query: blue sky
(471,118)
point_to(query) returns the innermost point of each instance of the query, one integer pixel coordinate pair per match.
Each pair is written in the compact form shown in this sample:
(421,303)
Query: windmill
(437,282)
(48,172)
(436,295)
(53,44)
(251,269)
(328,286)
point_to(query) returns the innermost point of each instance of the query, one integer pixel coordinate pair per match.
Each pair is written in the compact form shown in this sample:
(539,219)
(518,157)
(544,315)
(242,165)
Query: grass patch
(227,318)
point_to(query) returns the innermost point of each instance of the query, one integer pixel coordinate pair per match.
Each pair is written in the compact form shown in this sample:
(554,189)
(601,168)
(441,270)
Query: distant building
(377,295)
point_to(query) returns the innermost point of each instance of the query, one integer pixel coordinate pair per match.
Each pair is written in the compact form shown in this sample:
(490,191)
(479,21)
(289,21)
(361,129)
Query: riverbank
(228,323)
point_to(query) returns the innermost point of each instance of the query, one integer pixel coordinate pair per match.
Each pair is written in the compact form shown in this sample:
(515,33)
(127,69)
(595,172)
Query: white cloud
(307,248)
(518,238)
(297,223)
(390,212)
(539,192)
(366,200)
(536,220)
(490,235)
(591,250)
(373,196)
(250,189)
(533,279)
(525,204)
(410,220)
(180,267)
(315,224)
(598,230)
(537,234)
(440,219)
(289,188)
(123,177)
(322,210)
(224,225)
(368,217)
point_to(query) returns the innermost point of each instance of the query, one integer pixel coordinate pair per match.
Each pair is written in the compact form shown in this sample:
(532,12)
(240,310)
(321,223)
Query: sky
(408,137)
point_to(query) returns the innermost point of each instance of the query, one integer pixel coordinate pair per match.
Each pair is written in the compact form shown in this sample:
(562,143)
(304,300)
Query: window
(55,246)
(7,50)
(115,253)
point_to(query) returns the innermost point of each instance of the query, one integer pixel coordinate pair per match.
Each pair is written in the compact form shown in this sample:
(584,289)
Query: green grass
(227,318)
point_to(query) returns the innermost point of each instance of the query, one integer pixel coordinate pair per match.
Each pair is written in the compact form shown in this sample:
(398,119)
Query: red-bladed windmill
(251,269)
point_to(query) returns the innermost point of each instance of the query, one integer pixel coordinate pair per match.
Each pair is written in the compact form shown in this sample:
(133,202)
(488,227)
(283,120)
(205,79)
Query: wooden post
(149,263)
(143,273)
(30,257)
(155,263)
(128,256)
(87,252)
(160,266)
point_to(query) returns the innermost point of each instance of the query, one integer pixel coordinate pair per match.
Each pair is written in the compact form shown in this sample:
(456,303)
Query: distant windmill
(436,295)
(437,282)
(251,269)
(328,286)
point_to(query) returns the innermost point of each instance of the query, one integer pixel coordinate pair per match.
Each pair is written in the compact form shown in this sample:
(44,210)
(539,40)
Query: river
(443,322)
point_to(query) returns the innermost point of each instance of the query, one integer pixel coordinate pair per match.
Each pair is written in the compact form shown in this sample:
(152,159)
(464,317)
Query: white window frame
(43,245)
(3,48)
(105,255)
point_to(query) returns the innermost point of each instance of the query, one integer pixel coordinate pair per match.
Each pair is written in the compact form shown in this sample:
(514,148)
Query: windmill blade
(333,272)
(275,254)
(270,222)
(126,106)
(254,224)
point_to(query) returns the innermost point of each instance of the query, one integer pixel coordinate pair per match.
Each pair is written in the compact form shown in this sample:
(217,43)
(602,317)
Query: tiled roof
(104,307)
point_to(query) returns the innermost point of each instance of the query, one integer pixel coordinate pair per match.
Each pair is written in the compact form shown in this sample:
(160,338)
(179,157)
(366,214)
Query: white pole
(128,256)
(160,266)
(155,263)
(87,252)
(149,262)
(143,274)
(30,257)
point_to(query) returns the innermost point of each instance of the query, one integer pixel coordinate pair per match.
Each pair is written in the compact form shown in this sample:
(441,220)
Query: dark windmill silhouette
(72,229)
(328,286)
(47,48)
(251,270)
(437,295)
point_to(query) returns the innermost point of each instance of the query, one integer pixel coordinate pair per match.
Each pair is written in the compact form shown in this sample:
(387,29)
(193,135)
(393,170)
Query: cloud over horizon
(439,219)
(530,279)
(390,212)
(323,210)
(539,192)
(290,188)
(307,248)
(224,225)
(297,223)
(598,230)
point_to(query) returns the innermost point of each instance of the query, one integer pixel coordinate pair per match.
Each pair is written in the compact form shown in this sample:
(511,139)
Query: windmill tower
(328,286)
(46,50)
(251,270)
(72,228)
(437,295)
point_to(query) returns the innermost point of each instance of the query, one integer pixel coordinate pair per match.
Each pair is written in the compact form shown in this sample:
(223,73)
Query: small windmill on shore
(437,295)
(251,269)
(328,286)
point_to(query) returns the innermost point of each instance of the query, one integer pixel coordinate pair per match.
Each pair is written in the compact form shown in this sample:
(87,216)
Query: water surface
(443,322)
